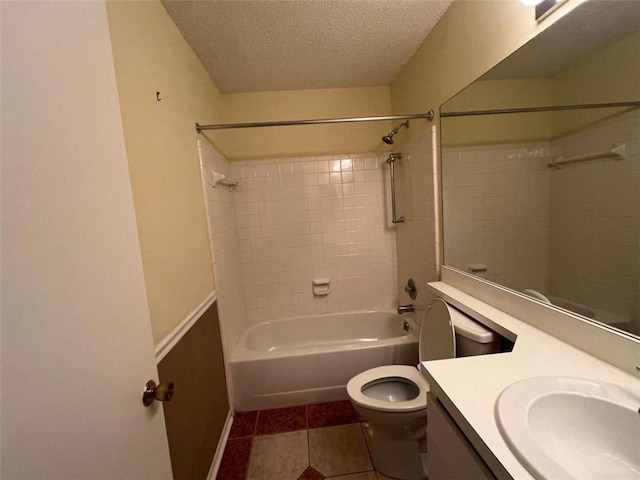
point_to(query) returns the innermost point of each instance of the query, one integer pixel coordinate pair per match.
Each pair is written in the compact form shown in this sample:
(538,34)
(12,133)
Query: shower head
(389,138)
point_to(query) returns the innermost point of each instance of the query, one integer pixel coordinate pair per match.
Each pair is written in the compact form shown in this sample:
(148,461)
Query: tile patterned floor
(312,442)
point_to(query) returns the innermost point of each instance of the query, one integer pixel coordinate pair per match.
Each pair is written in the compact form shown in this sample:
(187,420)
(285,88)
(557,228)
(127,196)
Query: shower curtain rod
(538,109)
(223,126)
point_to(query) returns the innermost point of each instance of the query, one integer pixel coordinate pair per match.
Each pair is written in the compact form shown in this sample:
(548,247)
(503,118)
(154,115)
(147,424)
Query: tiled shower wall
(225,248)
(496,212)
(595,219)
(417,239)
(573,232)
(314,217)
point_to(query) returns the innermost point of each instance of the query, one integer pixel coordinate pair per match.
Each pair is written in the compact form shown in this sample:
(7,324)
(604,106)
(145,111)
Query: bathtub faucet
(405,309)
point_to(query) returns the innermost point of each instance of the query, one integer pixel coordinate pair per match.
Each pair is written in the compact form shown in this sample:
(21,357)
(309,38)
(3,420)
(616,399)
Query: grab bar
(391,161)
(616,153)
(218,178)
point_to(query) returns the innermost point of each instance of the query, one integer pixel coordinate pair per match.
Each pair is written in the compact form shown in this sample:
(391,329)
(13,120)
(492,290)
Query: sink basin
(562,428)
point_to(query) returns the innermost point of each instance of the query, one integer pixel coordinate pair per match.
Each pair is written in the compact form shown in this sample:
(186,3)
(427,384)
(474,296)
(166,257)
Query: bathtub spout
(405,309)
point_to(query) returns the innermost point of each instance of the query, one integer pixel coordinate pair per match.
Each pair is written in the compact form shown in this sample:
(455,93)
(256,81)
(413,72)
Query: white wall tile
(571,232)
(309,220)
(595,210)
(481,191)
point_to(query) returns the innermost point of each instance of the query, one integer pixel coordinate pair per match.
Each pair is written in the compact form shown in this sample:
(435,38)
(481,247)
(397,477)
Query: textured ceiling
(266,45)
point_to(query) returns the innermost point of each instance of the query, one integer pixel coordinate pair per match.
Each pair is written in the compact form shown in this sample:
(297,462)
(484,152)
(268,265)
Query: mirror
(546,201)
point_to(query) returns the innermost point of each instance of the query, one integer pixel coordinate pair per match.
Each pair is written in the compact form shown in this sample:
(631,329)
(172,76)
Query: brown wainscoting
(196,414)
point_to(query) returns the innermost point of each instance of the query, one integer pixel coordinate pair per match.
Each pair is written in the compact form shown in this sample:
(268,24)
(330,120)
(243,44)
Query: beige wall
(511,93)
(289,141)
(609,75)
(471,37)
(489,129)
(150,55)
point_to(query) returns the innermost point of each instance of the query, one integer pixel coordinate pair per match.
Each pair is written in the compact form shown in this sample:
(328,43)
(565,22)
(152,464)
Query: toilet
(393,398)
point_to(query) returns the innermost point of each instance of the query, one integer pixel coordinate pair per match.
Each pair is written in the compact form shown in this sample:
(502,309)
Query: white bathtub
(594,313)
(306,360)
(591,312)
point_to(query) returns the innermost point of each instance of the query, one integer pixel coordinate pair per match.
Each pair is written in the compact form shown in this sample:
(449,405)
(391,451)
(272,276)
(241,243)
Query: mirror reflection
(546,199)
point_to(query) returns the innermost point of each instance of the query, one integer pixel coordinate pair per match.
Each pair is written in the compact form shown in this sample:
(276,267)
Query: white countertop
(469,387)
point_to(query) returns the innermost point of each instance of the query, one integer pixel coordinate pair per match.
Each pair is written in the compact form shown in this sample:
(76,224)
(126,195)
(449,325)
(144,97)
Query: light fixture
(543,7)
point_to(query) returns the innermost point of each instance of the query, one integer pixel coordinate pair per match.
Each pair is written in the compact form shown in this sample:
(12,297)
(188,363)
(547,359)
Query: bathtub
(310,359)
(594,313)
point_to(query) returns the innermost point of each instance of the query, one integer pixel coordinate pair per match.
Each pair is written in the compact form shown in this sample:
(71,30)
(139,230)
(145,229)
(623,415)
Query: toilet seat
(389,372)
(436,341)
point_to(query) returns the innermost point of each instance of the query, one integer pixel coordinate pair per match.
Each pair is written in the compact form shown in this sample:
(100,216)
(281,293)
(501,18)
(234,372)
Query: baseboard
(222,443)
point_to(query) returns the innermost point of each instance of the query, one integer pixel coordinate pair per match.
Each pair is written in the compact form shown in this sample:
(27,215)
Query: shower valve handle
(411,290)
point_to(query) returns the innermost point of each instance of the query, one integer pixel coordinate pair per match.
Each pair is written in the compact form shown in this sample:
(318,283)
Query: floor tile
(380,476)
(356,476)
(235,459)
(311,474)
(279,457)
(331,414)
(281,420)
(244,424)
(338,450)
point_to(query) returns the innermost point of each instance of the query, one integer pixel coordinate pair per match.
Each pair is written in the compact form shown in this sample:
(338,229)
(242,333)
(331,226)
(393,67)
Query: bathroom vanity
(464,438)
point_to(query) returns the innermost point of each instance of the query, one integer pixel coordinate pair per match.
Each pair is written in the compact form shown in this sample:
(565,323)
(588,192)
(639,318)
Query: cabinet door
(438,464)
(450,454)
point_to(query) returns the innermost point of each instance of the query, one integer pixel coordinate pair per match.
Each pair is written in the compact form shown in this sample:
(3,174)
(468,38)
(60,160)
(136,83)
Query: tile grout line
(366,444)
(255,424)
(306,419)
(337,477)
(246,472)
(255,427)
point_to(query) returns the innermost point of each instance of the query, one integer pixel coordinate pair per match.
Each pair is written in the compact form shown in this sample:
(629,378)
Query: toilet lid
(437,336)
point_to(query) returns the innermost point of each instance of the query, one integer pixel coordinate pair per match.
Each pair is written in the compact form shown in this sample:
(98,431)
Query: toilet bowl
(393,398)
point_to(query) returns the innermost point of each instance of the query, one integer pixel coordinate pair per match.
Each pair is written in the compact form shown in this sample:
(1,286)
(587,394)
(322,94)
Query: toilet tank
(473,338)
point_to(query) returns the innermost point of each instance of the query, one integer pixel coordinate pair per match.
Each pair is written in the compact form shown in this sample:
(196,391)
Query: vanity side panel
(438,465)
(452,447)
